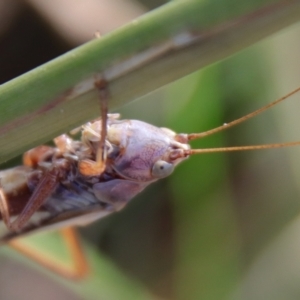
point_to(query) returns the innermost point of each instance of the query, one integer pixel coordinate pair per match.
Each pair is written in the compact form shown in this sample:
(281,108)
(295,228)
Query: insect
(78,182)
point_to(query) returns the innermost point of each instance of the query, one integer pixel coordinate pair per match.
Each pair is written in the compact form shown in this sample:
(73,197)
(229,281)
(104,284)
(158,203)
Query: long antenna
(193,136)
(241,148)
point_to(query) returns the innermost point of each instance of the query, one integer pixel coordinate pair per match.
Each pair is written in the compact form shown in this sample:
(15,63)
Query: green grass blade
(148,53)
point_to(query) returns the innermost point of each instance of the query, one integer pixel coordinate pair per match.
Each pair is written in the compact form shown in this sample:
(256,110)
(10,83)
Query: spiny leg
(44,189)
(79,268)
(94,168)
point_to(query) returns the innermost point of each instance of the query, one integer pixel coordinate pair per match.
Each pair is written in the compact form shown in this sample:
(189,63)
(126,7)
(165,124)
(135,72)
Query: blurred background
(223,226)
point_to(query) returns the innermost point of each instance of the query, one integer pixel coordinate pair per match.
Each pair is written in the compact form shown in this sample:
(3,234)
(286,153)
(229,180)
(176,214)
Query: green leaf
(154,50)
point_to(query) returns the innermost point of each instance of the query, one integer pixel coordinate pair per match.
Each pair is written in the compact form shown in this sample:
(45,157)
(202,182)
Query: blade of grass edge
(154,50)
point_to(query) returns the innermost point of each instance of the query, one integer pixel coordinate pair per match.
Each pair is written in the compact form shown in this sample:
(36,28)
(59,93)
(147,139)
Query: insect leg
(77,270)
(32,157)
(103,95)
(112,192)
(94,168)
(41,193)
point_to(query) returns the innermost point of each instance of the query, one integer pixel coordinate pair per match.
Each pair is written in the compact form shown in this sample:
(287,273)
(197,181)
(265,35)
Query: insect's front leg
(96,167)
(117,192)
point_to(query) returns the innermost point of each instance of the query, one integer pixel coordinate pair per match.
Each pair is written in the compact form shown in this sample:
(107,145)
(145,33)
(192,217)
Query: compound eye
(162,169)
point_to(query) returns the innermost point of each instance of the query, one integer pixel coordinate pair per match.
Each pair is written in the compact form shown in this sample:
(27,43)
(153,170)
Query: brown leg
(94,168)
(79,268)
(41,193)
(103,95)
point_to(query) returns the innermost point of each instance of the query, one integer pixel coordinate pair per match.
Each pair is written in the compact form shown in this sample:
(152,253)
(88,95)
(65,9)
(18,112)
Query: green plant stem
(154,50)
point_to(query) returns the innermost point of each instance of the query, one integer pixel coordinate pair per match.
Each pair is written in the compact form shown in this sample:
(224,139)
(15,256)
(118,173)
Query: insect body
(77,182)
(55,188)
